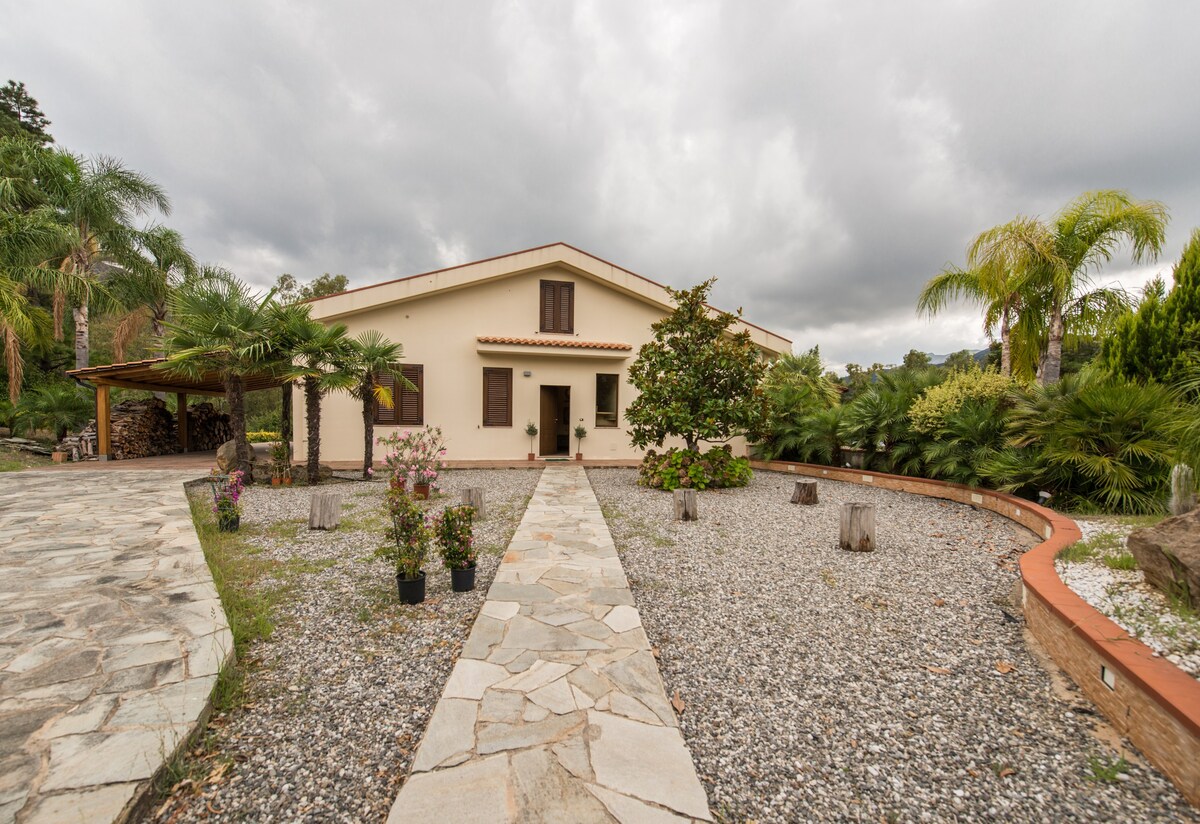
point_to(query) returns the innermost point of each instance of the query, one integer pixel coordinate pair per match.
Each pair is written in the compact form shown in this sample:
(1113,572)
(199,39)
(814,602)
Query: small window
(606,400)
(558,307)
(408,406)
(497,396)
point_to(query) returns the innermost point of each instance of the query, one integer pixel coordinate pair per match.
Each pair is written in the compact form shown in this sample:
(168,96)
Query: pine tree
(20,115)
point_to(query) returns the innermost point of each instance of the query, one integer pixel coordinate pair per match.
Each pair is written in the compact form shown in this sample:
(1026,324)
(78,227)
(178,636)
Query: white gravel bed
(1135,606)
(343,689)
(824,685)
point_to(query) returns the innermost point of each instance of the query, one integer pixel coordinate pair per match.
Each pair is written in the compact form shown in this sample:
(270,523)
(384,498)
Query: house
(545,336)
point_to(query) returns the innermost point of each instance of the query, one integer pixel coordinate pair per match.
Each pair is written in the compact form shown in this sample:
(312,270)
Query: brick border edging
(1151,701)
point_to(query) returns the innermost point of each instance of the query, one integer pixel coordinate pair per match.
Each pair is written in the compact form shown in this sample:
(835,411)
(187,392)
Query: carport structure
(151,375)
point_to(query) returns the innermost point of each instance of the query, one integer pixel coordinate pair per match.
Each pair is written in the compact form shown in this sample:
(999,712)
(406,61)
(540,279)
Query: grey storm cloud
(823,160)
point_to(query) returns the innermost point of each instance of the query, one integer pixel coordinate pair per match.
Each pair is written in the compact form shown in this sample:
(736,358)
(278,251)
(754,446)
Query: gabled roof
(353,301)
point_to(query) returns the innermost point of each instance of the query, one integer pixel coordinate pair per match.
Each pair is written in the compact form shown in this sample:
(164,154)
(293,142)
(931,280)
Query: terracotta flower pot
(579,456)
(421,491)
(277,482)
(532,456)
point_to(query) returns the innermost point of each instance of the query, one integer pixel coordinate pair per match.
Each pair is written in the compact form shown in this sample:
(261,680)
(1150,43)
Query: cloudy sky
(823,160)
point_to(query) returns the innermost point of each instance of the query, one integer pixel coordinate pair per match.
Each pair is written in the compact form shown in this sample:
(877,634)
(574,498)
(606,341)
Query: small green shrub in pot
(687,469)
(408,535)
(452,530)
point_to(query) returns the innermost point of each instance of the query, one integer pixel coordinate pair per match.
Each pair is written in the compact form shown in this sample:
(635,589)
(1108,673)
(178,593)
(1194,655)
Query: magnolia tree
(696,380)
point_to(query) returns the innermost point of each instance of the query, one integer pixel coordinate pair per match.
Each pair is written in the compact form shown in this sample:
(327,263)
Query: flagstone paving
(111,638)
(555,710)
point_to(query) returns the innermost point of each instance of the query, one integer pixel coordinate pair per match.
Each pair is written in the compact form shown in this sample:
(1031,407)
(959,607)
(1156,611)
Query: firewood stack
(140,429)
(207,428)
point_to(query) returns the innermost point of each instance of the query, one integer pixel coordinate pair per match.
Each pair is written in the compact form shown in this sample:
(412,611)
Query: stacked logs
(207,428)
(140,429)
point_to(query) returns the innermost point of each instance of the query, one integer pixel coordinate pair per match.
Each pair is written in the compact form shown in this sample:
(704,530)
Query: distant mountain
(937,360)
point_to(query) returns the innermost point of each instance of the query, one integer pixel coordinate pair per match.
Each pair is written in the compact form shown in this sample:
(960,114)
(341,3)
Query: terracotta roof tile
(570,343)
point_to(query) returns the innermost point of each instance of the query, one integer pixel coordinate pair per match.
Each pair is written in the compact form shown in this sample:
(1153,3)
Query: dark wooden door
(548,426)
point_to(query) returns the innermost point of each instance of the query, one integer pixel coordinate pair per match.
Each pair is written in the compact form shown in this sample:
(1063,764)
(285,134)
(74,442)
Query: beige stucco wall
(439,331)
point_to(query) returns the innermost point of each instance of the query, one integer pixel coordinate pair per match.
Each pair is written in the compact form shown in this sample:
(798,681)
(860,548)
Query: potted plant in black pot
(453,532)
(408,544)
(227,492)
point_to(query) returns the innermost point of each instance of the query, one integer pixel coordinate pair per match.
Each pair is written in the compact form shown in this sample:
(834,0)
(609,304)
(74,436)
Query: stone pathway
(111,637)
(555,710)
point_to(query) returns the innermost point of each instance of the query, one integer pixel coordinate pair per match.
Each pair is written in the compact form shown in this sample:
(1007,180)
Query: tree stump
(325,510)
(858,527)
(472,496)
(806,492)
(685,505)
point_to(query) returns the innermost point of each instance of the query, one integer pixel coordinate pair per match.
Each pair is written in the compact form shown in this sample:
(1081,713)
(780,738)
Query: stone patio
(111,638)
(555,710)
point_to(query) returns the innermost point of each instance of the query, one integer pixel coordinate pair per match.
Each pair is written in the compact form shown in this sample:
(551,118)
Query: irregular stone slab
(450,733)
(102,804)
(497,737)
(525,633)
(622,618)
(622,750)
(479,790)
(469,679)
(632,811)
(548,794)
(555,696)
(538,675)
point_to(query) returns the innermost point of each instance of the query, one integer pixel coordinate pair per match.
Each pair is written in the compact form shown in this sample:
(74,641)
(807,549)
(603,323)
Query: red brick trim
(1153,702)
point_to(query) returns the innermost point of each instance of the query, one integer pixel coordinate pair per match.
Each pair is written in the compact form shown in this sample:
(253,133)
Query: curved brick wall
(1148,699)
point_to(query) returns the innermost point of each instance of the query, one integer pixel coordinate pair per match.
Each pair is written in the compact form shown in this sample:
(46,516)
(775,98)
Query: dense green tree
(960,361)
(696,380)
(290,290)
(1162,338)
(916,360)
(216,324)
(58,406)
(20,115)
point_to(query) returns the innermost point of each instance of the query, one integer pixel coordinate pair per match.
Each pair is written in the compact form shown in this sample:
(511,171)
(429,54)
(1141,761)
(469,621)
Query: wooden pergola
(149,375)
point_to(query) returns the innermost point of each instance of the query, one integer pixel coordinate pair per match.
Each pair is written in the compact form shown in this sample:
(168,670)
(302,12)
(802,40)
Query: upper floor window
(558,306)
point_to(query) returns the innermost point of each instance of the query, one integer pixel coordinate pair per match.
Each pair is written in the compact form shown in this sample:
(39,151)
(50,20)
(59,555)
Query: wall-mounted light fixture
(527,373)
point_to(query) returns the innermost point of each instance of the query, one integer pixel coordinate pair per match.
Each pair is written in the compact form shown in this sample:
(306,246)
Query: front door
(556,415)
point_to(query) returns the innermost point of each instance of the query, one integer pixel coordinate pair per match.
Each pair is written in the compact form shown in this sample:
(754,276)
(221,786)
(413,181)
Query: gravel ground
(345,686)
(892,686)
(1124,596)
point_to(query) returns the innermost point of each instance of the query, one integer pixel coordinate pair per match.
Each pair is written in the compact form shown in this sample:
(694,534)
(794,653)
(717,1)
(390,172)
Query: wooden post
(181,419)
(103,423)
(685,505)
(472,496)
(858,527)
(805,493)
(325,510)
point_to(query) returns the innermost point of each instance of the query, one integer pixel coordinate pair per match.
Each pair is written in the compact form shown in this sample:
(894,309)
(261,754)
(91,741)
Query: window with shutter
(408,406)
(497,396)
(557,306)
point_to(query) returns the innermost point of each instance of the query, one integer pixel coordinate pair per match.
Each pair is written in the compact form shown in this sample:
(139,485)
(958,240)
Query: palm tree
(57,407)
(993,278)
(1038,274)
(320,357)
(373,355)
(97,199)
(217,324)
(142,287)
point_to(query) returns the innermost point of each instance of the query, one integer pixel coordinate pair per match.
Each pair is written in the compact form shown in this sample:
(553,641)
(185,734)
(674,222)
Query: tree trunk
(235,395)
(80,314)
(1005,346)
(692,444)
(325,510)
(312,411)
(805,492)
(858,528)
(685,505)
(368,413)
(1052,366)
(285,418)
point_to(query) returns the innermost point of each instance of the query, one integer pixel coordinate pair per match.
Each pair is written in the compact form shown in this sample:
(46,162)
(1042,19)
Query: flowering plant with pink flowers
(227,489)
(415,455)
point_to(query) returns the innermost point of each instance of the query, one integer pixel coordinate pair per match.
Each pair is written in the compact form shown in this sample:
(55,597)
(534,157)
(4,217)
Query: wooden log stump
(858,527)
(472,496)
(685,505)
(805,493)
(325,510)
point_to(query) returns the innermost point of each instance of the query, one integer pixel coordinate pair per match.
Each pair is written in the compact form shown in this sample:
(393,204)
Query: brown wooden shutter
(566,307)
(497,396)
(410,404)
(384,415)
(548,294)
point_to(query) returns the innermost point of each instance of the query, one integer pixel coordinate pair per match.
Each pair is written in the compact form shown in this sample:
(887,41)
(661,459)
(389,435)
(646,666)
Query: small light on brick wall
(1108,677)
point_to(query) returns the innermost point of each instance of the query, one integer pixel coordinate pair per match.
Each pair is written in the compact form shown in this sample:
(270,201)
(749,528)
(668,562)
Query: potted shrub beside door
(531,430)
(408,543)
(455,543)
(580,434)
